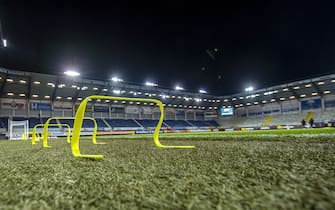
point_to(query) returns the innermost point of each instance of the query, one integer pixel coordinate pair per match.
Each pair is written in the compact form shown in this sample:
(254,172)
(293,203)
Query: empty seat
(177,124)
(118,123)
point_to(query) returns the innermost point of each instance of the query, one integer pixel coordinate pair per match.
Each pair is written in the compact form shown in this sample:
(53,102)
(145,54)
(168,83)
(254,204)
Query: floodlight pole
(1,33)
(3,40)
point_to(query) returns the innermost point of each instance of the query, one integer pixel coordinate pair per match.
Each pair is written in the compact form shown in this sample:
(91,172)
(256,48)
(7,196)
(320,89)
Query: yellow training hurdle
(80,117)
(46,126)
(34,133)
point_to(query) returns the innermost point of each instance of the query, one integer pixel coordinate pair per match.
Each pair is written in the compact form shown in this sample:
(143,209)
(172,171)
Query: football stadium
(72,140)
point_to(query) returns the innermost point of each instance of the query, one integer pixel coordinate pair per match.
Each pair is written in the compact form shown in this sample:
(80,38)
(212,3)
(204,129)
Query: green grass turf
(303,134)
(264,173)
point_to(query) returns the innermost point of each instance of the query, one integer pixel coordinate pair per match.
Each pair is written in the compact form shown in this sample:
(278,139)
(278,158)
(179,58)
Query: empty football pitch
(292,169)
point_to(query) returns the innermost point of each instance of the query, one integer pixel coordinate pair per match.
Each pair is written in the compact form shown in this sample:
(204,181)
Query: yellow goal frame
(34,133)
(81,113)
(46,126)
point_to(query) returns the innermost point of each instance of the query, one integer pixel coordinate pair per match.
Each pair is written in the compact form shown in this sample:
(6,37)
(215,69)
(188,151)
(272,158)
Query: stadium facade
(36,97)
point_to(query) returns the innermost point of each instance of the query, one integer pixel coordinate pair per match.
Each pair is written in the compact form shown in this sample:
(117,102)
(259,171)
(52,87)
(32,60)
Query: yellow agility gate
(47,123)
(34,137)
(80,117)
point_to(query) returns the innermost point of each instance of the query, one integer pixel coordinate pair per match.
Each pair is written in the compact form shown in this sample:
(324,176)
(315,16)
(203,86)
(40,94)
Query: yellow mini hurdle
(80,117)
(47,123)
(35,138)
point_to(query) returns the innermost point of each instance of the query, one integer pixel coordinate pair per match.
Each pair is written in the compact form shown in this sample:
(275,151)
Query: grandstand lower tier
(121,126)
(116,124)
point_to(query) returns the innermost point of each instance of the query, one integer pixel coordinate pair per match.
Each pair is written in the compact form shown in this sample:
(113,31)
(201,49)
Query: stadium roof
(298,90)
(28,85)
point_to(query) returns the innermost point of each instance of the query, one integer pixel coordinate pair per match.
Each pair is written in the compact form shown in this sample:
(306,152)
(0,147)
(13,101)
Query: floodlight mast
(3,40)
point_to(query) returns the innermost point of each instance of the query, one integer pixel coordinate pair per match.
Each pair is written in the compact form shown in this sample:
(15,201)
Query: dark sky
(260,43)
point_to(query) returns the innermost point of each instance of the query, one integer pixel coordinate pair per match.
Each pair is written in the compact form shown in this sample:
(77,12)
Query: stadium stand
(177,124)
(148,123)
(200,123)
(101,124)
(88,124)
(122,123)
(52,95)
(66,121)
(33,121)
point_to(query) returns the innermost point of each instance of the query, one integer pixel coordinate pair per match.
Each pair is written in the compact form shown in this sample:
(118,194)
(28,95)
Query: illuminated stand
(80,117)
(47,123)
(34,136)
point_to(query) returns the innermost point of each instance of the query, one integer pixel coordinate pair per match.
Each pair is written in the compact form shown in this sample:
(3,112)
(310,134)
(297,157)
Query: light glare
(248,89)
(116,79)
(72,73)
(179,88)
(151,84)
(4,42)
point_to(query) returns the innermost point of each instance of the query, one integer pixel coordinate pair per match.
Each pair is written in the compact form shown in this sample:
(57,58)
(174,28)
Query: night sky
(221,47)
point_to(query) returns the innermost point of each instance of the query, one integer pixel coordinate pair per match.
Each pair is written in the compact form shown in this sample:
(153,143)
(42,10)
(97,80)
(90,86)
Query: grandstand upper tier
(34,96)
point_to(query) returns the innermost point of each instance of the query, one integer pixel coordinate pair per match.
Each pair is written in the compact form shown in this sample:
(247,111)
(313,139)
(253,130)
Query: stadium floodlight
(202,91)
(51,84)
(151,84)
(72,73)
(249,89)
(179,87)
(116,91)
(117,79)
(4,42)
(164,96)
(61,85)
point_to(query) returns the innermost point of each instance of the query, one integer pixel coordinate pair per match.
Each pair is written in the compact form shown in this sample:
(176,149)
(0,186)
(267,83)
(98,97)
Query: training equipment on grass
(80,117)
(46,126)
(35,138)
(18,130)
